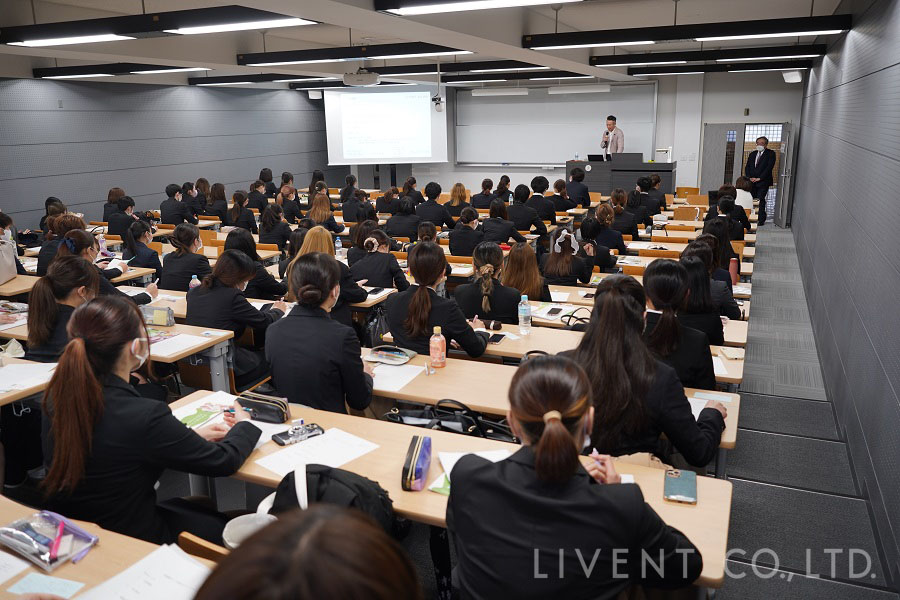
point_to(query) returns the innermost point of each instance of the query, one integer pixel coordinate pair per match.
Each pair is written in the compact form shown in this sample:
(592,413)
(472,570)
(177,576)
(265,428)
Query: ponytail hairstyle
(312,278)
(503,185)
(317,177)
(521,271)
(616,360)
(487,185)
(605,215)
(559,186)
(99,331)
(426,232)
(549,400)
(376,239)
(240,201)
(287,178)
(427,264)
(487,258)
(270,218)
(74,243)
(232,268)
(134,232)
(468,215)
(348,189)
(562,249)
(521,194)
(216,194)
(409,185)
(699,298)
(666,285)
(62,224)
(618,199)
(202,186)
(184,236)
(63,276)
(285,192)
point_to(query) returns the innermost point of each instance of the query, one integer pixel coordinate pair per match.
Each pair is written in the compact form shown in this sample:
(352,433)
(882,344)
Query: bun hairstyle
(468,215)
(605,215)
(487,258)
(487,185)
(63,275)
(376,239)
(666,285)
(426,231)
(427,264)
(312,278)
(559,186)
(549,398)
(618,199)
(184,236)
(74,243)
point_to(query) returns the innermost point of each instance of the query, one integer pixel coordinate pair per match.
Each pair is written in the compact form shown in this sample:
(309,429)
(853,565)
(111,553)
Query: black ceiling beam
(722,67)
(704,55)
(341,54)
(475,77)
(452,67)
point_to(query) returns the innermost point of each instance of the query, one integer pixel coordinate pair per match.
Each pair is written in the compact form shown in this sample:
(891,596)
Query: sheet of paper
(259,305)
(559,296)
(334,448)
(712,396)
(697,405)
(393,378)
(10,566)
(627,478)
(206,410)
(719,367)
(449,459)
(175,344)
(21,319)
(380,295)
(638,245)
(267,430)
(542,312)
(167,572)
(131,290)
(24,376)
(35,583)
(740,289)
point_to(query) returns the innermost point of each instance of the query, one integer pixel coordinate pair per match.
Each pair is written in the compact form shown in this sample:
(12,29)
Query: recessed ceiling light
(77,76)
(565,77)
(172,70)
(79,39)
(510,70)
(501,92)
(475,81)
(300,62)
(578,89)
(302,79)
(430,9)
(421,54)
(226,83)
(678,73)
(269,24)
(729,60)
(644,64)
(757,36)
(761,70)
(597,45)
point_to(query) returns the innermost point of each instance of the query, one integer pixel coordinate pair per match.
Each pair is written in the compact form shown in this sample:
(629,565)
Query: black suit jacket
(650,204)
(349,210)
(173,212)
(708,323)
(134,441)
(456,210)
(659,196)
(145,258)
(263,286)
(444,313)
(626,224)
(544,207)
(222,307)
(118,223)
(403,226)
(178,269)
(482,200)
(219,208)
(500,230)
(509,525)
(51,349)
(764,169)
(524,217)
(382,205)
(257,201)
(350,294)
(194,203)
(414,195)
(581,271)
(291,210)
(561,204)
(245,219)
(324,374)
(46,255)
(612,239)
(464,239)
(723,299)
(279,235)
(438,214)
(691,359)
(578,192)
(108,210)
(380,269)
(504,302)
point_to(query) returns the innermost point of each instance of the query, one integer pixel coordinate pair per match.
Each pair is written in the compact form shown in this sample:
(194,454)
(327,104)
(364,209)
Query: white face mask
(6,235)
(760,148)
(244,286)
(135,349)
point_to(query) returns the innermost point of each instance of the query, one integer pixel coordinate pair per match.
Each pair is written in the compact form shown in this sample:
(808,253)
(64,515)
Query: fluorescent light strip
(302,79)
(301,62)
(500,92)
(172,70)
(408,74)
(556,78)
(381,85)
(79,39)
(324,87)
(761,70)
(475,81)
(387,56)
(226,83)
(679,73)
(603,45)
(578,89)
(510,70)
(270,24)
(77,76)
(644,64)
(757,36)
(430,9)
(767,58)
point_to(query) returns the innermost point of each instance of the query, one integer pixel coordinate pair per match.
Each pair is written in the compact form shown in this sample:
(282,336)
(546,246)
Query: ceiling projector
(361,78)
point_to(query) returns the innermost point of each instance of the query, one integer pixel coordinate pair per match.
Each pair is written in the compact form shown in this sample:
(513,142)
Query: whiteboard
(540,129)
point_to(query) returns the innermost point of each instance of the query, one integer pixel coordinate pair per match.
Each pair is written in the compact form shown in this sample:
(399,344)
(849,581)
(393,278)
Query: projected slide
(386,125)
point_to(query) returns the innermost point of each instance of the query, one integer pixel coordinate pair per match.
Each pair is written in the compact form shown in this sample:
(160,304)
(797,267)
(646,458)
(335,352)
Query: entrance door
(721,157)
(783,195)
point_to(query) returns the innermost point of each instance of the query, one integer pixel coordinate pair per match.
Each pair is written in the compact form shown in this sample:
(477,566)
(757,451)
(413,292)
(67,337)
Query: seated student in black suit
(503,192)
(240,215)
(578,192)
(180,266)
(718,273)
(359,233)
(81,243)
(52,208)
(59,225)
(497,227)
(522,273)
(545,490)
(466,235)
(294,245)
(287,200)
(319,240)
(106,446)
(202,186)
(560,266)
(216,203)
(636,208)
(265,175)
(190,198)
(413,314)
(352,208)
(220,302)
(173,211)
(262,286)
(457,201)
(389,202)
(646,200)
(483,199)
(624,221)
(636,397)
(737,213)
(606,235)
(348,192)
(656,193)
(329,372)
(430,210)
(720,295)
(523,216)
(137,253)
(379,268)
(698,311)
(486,298)
(405,223)
(273,229)
(119,221)
(257,197)
(366,212)
(720,229)
(593,253)
(734,216)
(681,347)
(320,213)
(409,191)
(544,207)
(560,198)
(112,203)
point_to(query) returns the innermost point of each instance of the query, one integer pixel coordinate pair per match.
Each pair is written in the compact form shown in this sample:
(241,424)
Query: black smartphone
(496,338)
(554,311)
(589,295)
(375,291)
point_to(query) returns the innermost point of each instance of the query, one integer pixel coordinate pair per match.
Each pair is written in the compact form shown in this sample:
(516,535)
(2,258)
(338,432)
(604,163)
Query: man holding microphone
(613,138)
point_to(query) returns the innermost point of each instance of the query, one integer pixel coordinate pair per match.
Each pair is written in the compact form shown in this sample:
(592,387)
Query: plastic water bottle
(338,247)
(101,239)
(437,349)
(576,157)
(524,316)
(194,282)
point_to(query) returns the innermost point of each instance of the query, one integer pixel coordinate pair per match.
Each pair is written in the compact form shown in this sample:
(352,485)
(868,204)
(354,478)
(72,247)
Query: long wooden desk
(179,305)
(705,524)
(642,262)
(12,396)
(20,284)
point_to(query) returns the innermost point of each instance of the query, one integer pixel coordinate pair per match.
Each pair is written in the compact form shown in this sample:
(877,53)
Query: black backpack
(339,487)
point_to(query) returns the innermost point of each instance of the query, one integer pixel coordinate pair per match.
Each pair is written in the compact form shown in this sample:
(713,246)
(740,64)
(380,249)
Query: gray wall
(75,140)
(846,220)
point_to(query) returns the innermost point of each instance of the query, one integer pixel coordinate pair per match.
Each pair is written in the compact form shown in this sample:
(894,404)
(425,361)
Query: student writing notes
(379,267)
(216,204)
(497,227)
(529,513)
(485,297)
(273,229)
(329,372)
(106,446)
(180,266)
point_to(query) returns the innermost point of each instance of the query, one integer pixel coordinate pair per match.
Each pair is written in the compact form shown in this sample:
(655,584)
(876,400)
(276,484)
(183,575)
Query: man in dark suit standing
(759,168)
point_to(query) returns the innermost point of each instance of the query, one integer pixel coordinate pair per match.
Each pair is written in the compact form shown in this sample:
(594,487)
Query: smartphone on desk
(496,338)
(375,291)
(589,295)
(680,486)
(554,311)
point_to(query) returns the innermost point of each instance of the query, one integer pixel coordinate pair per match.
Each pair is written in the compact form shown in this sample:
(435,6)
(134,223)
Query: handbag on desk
(7,261)
(268,409)
(454,416)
